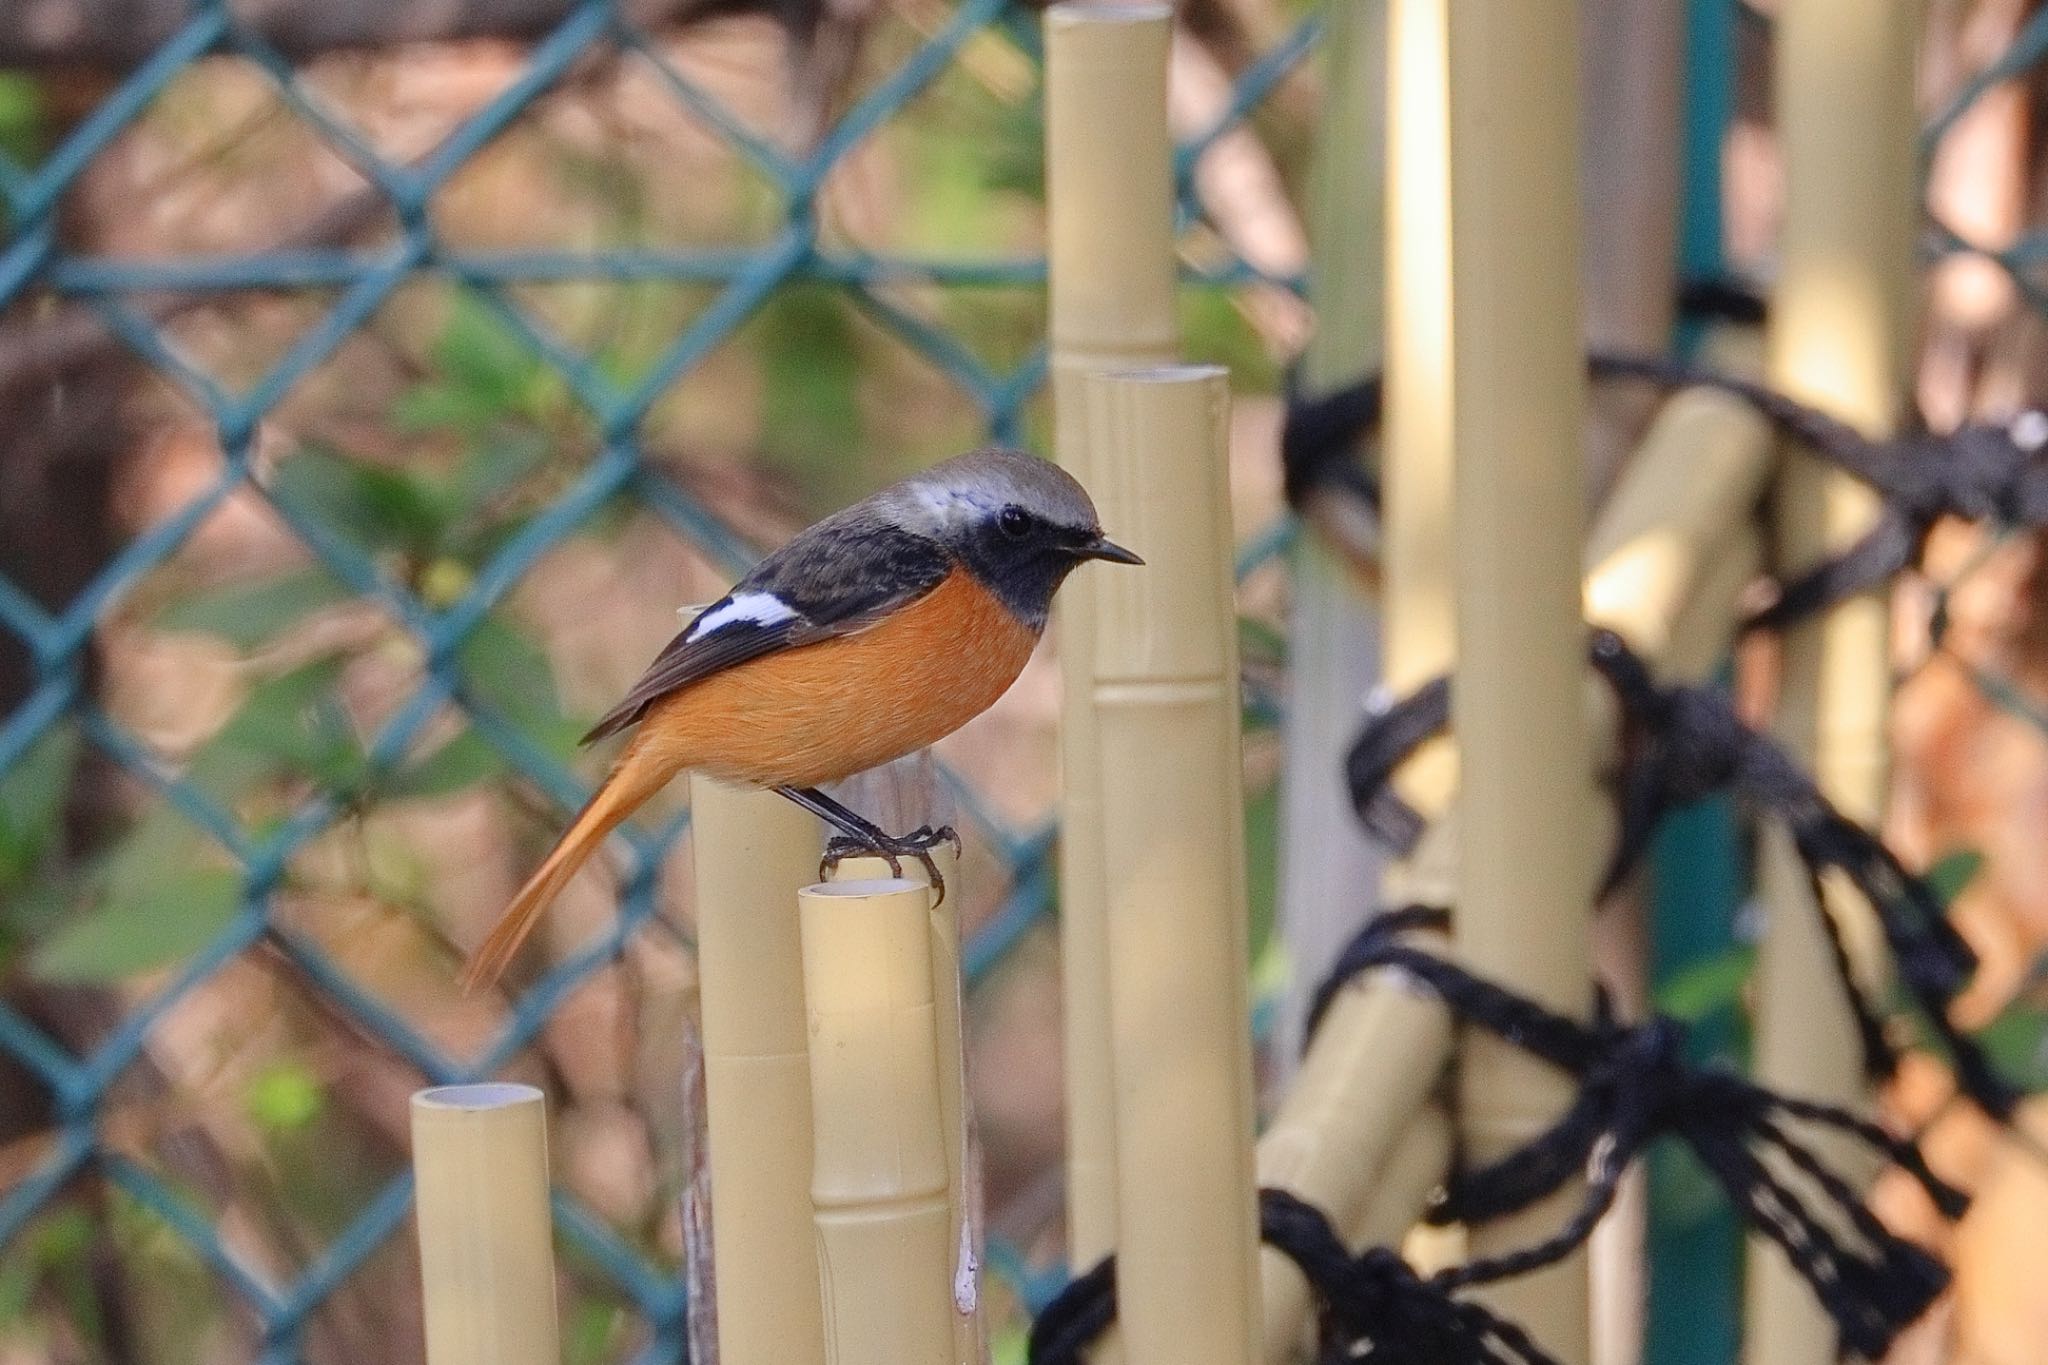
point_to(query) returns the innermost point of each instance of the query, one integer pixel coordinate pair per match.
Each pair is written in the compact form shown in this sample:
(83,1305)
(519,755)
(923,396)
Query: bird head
(1018,523)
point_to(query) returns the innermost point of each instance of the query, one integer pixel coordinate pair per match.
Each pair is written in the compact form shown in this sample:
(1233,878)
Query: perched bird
(873,633)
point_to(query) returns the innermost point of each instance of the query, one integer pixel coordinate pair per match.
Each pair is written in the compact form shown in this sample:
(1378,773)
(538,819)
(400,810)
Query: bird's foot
(893,849)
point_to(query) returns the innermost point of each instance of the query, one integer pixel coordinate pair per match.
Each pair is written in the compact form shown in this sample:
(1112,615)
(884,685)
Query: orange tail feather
(639,774)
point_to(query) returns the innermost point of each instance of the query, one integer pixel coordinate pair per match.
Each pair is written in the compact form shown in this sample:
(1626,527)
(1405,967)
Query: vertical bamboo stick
(1111,269)
(752,850)
(1526,799)
(885,1247)
(910,796)
(1165,690)
(1110,262)
(1333,627)
(487,1256)
(1417,442)
(1841,325)
(1383,1045)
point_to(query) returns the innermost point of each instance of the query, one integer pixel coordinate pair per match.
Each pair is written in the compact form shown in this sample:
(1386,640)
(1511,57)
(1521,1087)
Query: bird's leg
(858,835)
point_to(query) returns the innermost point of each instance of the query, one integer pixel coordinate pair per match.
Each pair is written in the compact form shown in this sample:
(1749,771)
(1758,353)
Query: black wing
(840,576)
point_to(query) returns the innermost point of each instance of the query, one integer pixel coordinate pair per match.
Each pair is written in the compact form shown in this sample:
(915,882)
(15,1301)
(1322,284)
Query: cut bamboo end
(1111,279)
(487,1261)
(885,1244)
(1165,689)
(1109,180)
(752,851)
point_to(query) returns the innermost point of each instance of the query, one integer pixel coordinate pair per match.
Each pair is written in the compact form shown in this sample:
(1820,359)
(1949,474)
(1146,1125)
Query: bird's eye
(1013,522)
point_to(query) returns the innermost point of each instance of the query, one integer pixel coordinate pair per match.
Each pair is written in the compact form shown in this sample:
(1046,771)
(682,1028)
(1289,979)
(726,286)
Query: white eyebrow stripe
(755,608)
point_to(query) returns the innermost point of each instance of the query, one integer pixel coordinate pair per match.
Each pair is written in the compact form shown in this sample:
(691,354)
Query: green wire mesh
(35,265)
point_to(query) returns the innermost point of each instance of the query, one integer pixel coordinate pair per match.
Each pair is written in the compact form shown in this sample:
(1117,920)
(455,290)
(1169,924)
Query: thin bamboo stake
(487,1253)
(700,1253)
(1167,705)
(752,850)
(1841,326)
(1333,626)
(885,1243)
(1526,798)
(1111,266)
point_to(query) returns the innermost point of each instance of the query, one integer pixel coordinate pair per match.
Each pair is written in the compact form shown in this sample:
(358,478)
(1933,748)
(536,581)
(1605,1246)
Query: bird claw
(892,849)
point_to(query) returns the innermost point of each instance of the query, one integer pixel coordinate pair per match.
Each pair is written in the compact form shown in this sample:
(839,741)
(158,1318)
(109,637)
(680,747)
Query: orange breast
(825,711)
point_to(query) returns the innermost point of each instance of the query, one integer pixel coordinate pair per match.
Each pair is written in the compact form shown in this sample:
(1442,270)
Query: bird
(873,633)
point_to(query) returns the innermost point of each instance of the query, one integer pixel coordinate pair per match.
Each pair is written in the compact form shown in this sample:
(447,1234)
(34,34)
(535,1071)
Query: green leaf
(247,614)
(32,796)
(1952,872)
(439,407)
(2017,1044)
(377,508)
(591,1329)
(495,467)
(284,1097)
(510,672)
(459,764)
(482,357)
(24,122)
(1258,640)
(163,922)
(290,723)
(1262,863)
(1707,986)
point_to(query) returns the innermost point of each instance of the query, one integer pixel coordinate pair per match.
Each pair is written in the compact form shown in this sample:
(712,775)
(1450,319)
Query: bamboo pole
(1333,626)
(1416,454)
(487,1258)
(1383,1045)
(1690,491)
(1526,798)
(908,795)
(1841,328)
(752,850)
(1110,263)
(885,1243)
(1165,692)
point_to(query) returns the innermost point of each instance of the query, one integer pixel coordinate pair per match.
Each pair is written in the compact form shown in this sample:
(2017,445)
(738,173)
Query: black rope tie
(1371,1306)
(1982,471)
(1635,1084)
(1680,744)
(1394,730)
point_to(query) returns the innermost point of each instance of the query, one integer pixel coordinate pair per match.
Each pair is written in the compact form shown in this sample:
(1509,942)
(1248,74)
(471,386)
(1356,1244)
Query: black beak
(1099,548)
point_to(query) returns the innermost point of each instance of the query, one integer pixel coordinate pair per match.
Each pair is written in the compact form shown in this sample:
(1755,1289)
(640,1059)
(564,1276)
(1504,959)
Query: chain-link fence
(411,440)
(226,828)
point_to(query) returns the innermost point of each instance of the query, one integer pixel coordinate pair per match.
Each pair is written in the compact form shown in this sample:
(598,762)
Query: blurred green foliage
(488,419)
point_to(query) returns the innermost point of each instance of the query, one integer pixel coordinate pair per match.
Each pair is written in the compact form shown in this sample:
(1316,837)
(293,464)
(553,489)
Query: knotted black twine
(1372,1306)
(1634,1084)
(1981,471)
(1681,744)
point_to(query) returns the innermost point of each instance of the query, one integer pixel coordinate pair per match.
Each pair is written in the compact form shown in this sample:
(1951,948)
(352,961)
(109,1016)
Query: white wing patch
(755,608)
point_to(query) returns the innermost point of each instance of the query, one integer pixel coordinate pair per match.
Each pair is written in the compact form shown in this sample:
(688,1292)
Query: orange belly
(825,711)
